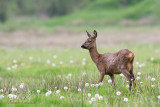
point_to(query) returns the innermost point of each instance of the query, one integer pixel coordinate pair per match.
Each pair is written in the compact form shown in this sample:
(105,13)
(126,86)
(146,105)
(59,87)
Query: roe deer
(111,63)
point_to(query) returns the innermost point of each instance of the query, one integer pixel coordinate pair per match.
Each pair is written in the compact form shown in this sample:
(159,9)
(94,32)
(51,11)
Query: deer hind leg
(113,82)
(126,73)
(132,75)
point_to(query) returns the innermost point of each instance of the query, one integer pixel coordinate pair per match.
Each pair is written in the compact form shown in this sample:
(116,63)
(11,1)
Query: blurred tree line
(49,8)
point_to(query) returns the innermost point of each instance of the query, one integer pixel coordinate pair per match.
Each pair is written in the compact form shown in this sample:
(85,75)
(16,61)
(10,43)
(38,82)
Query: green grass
(36,74)
(99,14)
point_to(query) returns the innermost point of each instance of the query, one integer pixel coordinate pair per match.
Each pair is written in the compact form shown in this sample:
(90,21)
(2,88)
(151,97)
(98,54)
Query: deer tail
(130,56)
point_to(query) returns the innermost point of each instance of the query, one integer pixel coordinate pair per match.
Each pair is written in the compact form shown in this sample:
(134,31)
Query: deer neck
(94,54)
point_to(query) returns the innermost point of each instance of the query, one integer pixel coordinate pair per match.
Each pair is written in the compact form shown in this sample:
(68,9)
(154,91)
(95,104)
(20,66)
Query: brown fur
(111,63)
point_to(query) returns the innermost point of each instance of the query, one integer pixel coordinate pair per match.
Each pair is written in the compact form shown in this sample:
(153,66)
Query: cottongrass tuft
(86,84)
(79,89)
(61,97)
(89,94)
(21,85)
(139,73)
(13,89)
(152,86)
(90,102)
(58,91)
(126,99)
(100,98)
(121,75)
(12,96)
(118,93)
(93,99)
(101,83)
(153,79)
(1,96)
(1,90)
(84,73)
(48,93)
(38,91)
(138,78)
(109,81)
(65,88)
(96,96)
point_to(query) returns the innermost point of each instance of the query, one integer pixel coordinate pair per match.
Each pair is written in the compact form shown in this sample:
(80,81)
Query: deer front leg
(101,76)
(113,82)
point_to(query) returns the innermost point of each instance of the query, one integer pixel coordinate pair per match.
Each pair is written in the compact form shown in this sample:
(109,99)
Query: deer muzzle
(83,47)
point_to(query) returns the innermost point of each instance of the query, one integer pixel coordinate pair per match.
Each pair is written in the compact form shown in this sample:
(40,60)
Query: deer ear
(94,34)
(88,34)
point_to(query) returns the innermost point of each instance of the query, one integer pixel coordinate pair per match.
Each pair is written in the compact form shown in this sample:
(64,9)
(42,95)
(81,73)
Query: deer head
(91,40)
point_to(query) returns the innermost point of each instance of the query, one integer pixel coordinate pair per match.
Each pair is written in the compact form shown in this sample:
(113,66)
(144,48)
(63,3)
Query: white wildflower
(126,99)
(158,97)
(71,61)
(151,58)
(96,96)
(54,56)
(84,59)
(12,96)
(153,79)
(92,85)
(83,63)
(138,78)
(139,73)
(48,61)
(30,57)
(86,84)
(61,97)
(121,75)
(65,88)
(90,102)
(96,85)
(14,61)
(59,76)
(21,85)
(61,62)
(79,89)
(127,86)
(109,81)
(84,73)
(1,90)
(53,64)
(93,99)
(1,96)
(38,91)
(13,89)
(141,65)
(101,83)
(69,75)
(58,91)
(118,93)
(8,68)
(14,66)
(89,94)
(152,86)
(137,63)
(100,97)
(48,93)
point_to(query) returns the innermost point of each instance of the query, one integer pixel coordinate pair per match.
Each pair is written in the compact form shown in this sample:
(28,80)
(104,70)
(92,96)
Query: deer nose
(83,46)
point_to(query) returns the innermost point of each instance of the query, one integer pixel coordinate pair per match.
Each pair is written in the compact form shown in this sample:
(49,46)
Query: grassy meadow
(42,64)
(68,77)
